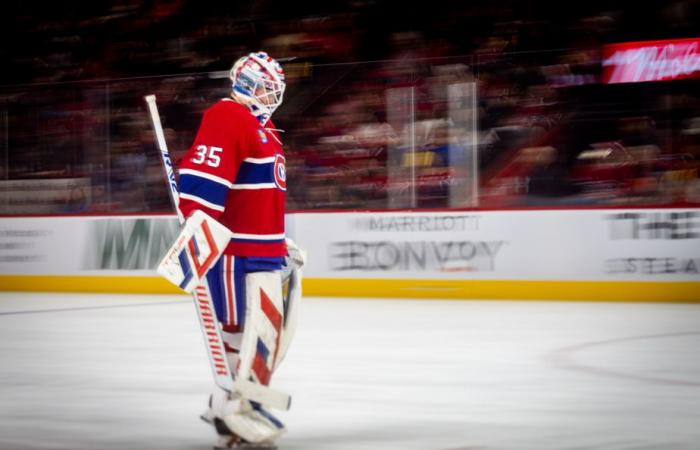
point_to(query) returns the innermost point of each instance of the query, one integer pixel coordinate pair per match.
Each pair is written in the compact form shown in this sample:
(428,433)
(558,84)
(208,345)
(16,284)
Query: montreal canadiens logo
(280,172)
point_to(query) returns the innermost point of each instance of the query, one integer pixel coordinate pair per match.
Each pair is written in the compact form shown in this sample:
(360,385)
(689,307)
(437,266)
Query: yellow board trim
(98,284)
(650,291)
(613,291)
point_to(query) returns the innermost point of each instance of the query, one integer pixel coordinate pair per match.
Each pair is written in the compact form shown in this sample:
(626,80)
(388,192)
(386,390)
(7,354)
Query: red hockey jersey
(235,172)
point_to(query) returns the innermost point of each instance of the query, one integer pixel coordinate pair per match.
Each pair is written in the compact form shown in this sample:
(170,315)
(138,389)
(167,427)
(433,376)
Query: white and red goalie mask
(258,81)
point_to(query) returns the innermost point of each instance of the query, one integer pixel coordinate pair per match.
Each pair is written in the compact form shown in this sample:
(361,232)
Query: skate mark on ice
(563,358)
(90,308)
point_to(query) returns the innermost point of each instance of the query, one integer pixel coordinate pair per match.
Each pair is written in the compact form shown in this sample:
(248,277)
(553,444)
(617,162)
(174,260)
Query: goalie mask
(258,82)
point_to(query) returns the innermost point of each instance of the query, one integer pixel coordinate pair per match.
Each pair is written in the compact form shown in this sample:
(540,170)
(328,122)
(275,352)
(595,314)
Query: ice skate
(241,424)
(229,440)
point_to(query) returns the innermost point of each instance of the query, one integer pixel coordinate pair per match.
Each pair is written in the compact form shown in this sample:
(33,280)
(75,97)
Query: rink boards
(588,254)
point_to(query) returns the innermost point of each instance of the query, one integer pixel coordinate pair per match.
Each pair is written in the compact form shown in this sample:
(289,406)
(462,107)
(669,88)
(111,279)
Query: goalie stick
(203,302)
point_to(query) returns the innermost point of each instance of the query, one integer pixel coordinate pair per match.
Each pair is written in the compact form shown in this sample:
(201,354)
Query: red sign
(634,62)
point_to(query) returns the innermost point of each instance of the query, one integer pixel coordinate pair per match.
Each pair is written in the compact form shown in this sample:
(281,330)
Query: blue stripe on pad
(262,349)
(256,406)
(186,269)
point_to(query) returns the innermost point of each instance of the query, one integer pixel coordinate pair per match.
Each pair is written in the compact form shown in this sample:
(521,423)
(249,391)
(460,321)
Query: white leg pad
(233,341)
(292,294)
(263,327)
(260,343)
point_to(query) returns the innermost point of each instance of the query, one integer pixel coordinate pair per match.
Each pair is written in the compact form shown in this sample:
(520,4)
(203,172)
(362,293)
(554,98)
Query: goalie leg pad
(227,283)
(232,343)
(263,327)
(291,292)
(260,342)
(258,354)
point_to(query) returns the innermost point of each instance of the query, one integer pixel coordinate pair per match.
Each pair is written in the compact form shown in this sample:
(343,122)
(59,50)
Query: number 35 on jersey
(209,155)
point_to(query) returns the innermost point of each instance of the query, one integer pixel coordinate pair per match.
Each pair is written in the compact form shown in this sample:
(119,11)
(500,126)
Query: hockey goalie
(233,256)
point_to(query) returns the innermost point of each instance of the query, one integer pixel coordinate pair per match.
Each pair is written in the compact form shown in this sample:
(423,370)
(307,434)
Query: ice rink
(128,372)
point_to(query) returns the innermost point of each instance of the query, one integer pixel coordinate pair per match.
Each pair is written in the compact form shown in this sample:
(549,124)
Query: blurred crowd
(483,104)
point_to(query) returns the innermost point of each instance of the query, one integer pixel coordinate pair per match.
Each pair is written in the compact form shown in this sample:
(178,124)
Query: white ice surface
(128,372)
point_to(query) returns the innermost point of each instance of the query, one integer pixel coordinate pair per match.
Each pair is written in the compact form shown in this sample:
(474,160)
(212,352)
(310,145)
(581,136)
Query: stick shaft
(202,300)
(164,154)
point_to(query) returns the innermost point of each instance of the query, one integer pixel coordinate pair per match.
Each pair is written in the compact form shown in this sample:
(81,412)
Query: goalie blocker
(198,247)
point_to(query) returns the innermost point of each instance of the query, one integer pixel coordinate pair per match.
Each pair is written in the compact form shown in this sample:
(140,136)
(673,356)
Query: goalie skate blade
(247,446)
